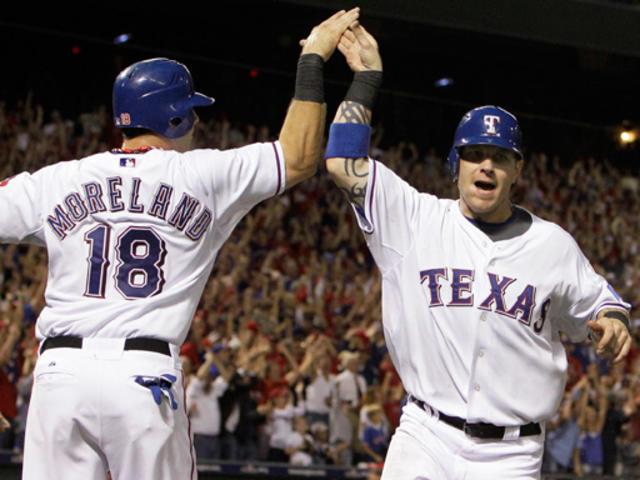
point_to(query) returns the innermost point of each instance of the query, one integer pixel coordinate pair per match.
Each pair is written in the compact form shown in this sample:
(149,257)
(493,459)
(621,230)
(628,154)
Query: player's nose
(486,164)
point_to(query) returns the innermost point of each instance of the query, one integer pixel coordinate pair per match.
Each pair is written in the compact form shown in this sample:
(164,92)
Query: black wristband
(364,88)
(309,78)
(620,316)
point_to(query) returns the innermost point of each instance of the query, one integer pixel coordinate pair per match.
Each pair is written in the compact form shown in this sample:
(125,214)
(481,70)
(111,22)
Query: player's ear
(519,166)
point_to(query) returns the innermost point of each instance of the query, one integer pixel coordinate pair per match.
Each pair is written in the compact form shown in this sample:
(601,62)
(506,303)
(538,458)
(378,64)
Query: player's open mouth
(484,185)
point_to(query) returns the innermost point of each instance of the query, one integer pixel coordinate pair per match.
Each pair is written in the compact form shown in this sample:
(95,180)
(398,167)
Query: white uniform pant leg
(61,438)
(425,448)
(414,452)
(519,459)
(88,413)
(147,441)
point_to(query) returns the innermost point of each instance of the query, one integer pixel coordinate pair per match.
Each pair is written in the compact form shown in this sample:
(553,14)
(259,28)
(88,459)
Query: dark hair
(130,133)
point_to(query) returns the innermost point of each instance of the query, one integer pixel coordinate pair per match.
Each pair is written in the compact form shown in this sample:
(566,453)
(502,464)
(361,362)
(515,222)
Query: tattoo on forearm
(354,184)
(350,168)
(352,112)
(355,193)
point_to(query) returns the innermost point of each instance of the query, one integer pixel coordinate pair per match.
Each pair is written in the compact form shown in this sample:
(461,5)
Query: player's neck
(500,215)
(142,141)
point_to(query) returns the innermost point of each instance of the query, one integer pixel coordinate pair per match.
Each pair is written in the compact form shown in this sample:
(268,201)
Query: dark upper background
(568,68)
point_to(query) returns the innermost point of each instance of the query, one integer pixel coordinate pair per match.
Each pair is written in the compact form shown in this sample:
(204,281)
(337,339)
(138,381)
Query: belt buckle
(475,431)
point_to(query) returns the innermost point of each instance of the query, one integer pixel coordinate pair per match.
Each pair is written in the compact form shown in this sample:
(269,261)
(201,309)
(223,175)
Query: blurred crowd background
(285,360)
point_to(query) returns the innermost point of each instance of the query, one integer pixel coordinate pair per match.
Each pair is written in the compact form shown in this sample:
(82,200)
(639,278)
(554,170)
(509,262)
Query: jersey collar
(130,151)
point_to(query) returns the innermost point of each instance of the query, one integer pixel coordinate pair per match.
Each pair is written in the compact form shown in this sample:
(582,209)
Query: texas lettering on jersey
(463,294)
(115,196)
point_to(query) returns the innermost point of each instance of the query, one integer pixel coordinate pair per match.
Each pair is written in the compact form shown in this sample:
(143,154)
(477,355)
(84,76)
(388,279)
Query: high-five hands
(360,49)
(324,37)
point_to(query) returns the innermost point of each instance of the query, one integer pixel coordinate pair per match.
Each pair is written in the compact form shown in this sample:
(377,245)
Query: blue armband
(348,140)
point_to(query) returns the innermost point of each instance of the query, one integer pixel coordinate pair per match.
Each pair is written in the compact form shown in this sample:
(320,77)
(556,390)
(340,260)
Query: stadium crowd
(285,360)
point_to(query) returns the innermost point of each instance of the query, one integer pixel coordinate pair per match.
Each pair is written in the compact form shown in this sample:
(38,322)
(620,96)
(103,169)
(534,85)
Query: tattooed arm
(360,50)
(351,174)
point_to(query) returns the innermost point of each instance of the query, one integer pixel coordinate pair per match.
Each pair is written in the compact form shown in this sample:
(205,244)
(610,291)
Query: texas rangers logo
(490,123)
(464,292)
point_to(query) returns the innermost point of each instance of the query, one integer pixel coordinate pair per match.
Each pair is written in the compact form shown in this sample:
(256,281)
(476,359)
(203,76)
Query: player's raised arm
(303,128)
(348,147)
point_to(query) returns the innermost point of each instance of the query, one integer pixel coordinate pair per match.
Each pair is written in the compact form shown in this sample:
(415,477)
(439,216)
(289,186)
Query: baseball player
(132,235)
(475,293)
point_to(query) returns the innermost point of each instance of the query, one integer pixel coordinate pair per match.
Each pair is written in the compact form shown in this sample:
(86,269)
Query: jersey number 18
(140,254)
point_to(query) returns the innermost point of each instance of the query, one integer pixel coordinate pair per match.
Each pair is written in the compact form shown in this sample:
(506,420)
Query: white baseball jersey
(132,237)
(472,324)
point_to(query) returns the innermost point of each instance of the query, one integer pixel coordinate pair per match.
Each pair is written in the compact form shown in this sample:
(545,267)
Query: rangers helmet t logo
(490,122)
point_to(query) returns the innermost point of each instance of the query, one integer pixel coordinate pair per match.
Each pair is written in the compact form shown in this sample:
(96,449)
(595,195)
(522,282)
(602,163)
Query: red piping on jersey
(144,149)
(275,149)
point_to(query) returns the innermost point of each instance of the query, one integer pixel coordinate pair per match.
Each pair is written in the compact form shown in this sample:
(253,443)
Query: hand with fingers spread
(324,37)
(611,334)
(360,49)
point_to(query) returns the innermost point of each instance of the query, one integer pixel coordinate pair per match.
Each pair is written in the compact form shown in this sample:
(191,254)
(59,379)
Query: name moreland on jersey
(108,196)
(132,225)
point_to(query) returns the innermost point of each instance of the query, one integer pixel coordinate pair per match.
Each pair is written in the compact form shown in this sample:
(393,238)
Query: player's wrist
(348,140)
(618,315)
(364,88)
(310,78)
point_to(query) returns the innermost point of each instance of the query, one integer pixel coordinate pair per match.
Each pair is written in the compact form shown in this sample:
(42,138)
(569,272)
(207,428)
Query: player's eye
(473,155)
(502,157)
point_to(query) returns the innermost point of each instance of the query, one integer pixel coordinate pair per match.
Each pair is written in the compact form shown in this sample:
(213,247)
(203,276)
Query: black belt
(137,343)
(478,430)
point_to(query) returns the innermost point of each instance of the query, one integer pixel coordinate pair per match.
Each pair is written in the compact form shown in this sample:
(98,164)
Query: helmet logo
(125,119)
(490,122)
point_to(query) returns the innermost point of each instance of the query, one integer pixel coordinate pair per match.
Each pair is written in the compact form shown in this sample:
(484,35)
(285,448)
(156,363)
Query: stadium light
(443,82)
(123,38)
(628,136)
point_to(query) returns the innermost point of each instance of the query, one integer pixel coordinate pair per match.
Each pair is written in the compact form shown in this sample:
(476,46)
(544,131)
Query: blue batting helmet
(156,94)
(488,125)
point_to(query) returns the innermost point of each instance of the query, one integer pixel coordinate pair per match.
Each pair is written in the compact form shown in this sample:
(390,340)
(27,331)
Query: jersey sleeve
(237,179)
(391,215)
(20,216)
(584,294)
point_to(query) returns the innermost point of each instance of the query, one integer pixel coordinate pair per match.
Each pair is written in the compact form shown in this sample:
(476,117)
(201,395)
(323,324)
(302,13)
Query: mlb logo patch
(127,162)
(125,119)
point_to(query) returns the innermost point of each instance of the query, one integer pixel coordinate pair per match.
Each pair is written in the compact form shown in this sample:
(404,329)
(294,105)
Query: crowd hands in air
(291,314)
(285,360)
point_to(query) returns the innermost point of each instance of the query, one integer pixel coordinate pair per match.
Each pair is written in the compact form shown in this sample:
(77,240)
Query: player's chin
(483,206)
(488,200)
(489,212)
